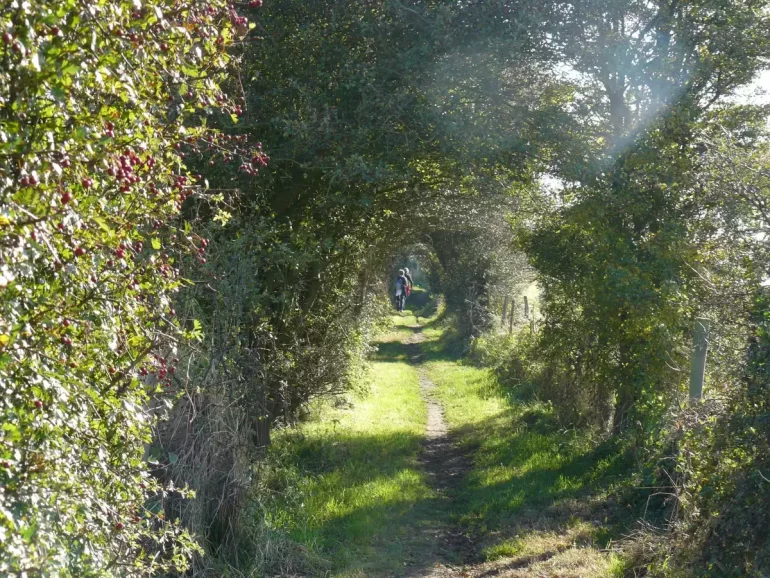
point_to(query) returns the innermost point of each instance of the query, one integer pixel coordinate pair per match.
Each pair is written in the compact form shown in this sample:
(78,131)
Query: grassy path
(446,463)
(436,471)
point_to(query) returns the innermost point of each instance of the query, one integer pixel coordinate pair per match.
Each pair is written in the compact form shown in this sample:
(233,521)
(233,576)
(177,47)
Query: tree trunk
(363,283)
(626,391)
(313,286)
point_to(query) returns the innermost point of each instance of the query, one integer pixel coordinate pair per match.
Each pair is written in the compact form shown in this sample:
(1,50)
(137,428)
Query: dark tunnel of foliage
(157,262)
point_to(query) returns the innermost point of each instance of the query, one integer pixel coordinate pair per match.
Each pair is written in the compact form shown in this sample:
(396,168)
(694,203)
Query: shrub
(99,101)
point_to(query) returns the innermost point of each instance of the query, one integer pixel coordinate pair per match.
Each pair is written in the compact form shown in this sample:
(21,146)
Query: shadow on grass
(373,511)
(421,302)
(442,348)
(424,307)
(532,480)
(361,500)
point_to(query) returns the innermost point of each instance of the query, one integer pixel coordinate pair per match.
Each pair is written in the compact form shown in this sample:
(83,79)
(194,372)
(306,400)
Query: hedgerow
(99,103)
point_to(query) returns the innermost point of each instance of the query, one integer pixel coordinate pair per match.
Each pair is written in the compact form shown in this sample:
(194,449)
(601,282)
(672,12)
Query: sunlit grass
(536,491)
(348,485)
(350,476)
(422,309)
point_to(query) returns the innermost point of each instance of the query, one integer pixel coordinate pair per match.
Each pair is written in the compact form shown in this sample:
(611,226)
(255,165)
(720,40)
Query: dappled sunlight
(363,498)
(535,495)
(335,496)
(357,486)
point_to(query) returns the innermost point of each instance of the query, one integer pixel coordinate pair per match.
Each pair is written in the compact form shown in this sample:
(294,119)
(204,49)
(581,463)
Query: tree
(615,253)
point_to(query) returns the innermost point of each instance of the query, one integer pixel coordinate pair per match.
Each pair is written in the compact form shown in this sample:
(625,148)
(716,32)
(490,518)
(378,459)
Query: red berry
(6,465)
(119,526)
(66,198)
(66,322)
(8,38)
(79,252)
(38,404)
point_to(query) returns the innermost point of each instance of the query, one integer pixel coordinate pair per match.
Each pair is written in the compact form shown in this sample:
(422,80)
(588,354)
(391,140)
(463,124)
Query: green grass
(349,481)
(535,491)
(347,486)
(421,308)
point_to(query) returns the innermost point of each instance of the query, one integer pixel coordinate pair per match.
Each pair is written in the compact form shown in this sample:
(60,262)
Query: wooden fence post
(532,322)
(505,311)
(526,307)
(513,316)
(699,351)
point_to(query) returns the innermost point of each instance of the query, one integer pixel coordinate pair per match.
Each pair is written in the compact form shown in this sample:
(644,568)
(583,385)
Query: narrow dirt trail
(446,464)
(556,542)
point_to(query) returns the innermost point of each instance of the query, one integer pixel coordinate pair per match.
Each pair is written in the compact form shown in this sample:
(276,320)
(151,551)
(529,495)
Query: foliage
(615,256)
(721,447)
(389,127)
(98,101)
(361,161)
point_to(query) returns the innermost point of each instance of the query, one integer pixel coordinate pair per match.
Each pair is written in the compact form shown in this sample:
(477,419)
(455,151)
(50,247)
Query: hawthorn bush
(100,101)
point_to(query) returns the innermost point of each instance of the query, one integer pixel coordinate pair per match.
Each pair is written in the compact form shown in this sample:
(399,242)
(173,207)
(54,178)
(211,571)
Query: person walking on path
(410,284)
(401,286)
